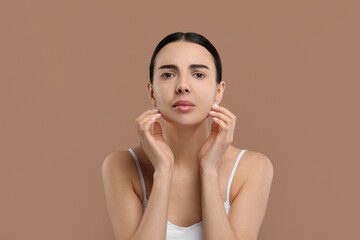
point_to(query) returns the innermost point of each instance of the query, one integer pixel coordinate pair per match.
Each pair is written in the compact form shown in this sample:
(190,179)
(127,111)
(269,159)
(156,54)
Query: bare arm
(124,206)
(248,208)
(154,221)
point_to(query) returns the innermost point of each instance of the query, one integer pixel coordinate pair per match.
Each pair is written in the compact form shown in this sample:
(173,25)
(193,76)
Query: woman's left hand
(220,138)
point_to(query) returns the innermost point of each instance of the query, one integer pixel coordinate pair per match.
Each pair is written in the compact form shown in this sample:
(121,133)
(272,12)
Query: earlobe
(220,92)
(151,95)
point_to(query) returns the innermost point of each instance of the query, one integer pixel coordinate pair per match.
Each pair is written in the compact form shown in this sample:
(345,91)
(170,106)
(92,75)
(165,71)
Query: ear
(150,90)
(219,92)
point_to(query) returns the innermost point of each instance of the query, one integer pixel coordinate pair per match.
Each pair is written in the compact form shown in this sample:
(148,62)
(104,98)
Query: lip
(184,108)
(183,103)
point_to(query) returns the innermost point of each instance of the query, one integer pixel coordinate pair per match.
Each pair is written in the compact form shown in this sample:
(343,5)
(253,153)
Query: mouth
(184,108)
(183,102)
(183,105)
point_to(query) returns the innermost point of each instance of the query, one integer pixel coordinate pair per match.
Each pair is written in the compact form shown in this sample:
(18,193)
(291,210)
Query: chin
(186,120)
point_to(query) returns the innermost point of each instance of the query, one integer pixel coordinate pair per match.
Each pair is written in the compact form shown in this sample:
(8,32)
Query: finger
(215,127)
(220,115)
(221,123)
(140,136)
(148,118)
(157,129)
(145,116)
(146,113)
(147,124)
(140,122)
(224,111)
(151,120)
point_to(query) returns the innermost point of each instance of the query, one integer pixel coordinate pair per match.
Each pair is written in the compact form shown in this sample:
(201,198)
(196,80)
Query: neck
(186,142)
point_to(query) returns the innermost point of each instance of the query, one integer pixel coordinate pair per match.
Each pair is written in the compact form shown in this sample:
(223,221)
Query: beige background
(73,79)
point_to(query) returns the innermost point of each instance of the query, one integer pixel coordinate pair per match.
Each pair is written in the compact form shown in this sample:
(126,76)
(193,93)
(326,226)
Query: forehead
(184,53)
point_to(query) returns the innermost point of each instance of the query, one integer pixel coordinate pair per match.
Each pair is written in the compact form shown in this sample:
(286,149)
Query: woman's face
(185,71)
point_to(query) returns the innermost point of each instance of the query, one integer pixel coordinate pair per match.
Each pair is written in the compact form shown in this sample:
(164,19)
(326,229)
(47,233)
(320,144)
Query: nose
(183,86)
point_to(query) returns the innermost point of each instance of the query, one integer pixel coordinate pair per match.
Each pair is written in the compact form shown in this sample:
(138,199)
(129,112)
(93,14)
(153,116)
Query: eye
(200,75)
(166,75)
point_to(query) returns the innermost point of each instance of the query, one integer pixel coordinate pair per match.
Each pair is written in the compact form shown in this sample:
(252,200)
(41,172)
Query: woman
(186,180)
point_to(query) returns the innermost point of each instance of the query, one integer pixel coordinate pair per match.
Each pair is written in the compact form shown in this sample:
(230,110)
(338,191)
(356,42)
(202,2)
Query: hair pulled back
(189,37)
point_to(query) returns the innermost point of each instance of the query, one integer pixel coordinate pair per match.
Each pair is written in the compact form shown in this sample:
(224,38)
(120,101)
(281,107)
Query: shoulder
(123,202)
(117,162)
(253,163)
(122,162)
(115,158)
(261,162)
(258,165)
(252,158)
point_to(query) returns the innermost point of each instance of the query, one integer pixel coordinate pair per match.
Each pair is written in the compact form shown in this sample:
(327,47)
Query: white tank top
(195,231)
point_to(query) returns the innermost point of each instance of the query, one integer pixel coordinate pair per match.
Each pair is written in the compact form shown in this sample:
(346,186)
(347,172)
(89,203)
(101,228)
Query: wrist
(209,170)
(163,172)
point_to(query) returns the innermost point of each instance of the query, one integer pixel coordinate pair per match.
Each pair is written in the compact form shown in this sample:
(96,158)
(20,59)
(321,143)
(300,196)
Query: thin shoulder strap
(140,173)
(233,173)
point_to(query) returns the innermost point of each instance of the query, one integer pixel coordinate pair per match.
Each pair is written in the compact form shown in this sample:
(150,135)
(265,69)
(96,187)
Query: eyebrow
(176,67)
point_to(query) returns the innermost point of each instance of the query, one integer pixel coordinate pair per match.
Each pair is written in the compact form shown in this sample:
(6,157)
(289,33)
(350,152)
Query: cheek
(159,94)
(163,98)
(207,101)
(210,95)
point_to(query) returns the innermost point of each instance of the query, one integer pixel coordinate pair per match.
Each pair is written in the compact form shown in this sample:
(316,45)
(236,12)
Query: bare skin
(185,133)
(185,200)
(187,160)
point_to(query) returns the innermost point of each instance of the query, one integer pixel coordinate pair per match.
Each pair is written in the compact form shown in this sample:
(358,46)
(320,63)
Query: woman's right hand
(155,146)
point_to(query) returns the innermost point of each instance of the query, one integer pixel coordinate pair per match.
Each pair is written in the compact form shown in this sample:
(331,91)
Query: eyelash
(162,76)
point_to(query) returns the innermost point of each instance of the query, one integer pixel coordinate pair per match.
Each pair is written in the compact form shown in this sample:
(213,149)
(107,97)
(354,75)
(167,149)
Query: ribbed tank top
(195,231)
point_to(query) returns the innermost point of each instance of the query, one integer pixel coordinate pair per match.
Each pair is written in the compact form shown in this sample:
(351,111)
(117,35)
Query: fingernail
(155,110)
(215,118)
(212,112)
(216,105)
(158,114)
